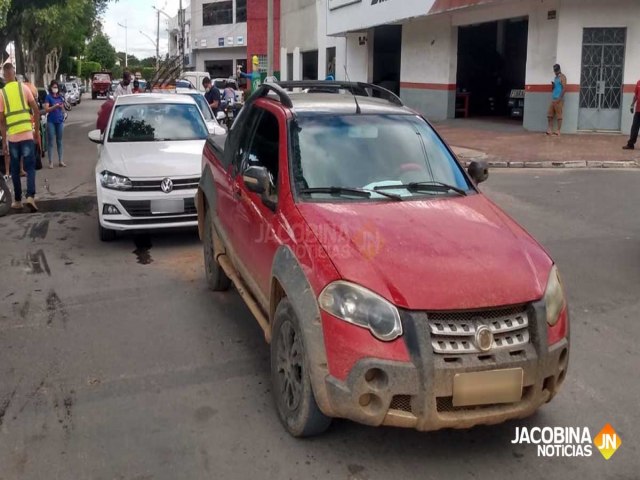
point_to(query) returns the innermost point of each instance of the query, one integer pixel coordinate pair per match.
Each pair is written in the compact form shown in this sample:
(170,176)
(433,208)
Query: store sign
(349,15)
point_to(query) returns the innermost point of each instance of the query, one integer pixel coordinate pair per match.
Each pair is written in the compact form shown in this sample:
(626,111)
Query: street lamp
(126,51)
(157,48)
(158,28)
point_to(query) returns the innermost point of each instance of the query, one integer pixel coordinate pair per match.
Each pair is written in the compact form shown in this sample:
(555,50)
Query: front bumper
(418,394)
(134,213)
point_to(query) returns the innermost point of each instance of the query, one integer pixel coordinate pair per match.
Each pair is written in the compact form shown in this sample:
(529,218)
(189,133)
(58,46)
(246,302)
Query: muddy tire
(217,280)
(105,234)
(5,198)
(291,384)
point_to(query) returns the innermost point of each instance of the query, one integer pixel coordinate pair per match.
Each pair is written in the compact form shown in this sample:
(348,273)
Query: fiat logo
(166,185)
(483,338)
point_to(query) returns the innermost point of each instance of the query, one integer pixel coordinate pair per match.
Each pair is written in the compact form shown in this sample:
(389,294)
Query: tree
(87,68)
(100,50)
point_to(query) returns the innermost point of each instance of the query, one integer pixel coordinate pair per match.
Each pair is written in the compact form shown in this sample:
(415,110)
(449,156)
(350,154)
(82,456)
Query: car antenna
(355,97)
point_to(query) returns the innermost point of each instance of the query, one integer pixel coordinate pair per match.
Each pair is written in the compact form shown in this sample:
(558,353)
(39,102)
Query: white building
(218,39)
(437,52)
(307,53)
(174,27)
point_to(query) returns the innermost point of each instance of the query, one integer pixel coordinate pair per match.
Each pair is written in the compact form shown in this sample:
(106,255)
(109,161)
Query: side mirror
(221,115)
(478,171)
(95,136)
(257,179)
(215,129)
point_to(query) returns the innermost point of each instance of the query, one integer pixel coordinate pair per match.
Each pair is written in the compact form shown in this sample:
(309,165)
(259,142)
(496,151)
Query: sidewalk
(505,143)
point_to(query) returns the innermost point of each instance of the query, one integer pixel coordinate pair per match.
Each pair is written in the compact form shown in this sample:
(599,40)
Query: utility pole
(158,41)
(181,43)
(270,38)
(126,48)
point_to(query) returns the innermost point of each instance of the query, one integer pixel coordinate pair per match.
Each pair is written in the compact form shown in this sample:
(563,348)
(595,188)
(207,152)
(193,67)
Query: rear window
(101,77)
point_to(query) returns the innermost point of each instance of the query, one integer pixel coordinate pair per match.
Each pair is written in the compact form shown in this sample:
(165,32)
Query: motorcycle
(230,111)
(5,196)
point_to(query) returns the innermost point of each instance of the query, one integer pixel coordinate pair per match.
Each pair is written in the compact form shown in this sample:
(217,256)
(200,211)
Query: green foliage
(100,50)
(148,62)
(147,72)
(87,68)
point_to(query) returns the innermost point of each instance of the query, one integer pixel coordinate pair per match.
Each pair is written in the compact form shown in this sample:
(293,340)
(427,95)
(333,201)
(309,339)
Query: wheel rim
(290,366)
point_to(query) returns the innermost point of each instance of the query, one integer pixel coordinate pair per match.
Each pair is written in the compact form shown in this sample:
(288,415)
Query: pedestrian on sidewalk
(54,106)
(124,87)
(635,127)
(559,84)
(19,137)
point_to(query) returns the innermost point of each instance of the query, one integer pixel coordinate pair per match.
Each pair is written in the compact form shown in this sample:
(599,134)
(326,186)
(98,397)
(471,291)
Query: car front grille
(154,185)
(453,333)
(142,208)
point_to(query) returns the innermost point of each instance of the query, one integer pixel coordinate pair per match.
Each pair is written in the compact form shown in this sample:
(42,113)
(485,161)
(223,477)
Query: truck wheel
(216,278)
(291,384)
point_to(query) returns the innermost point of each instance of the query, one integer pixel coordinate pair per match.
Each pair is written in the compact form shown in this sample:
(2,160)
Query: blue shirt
(557,87)
(57,115)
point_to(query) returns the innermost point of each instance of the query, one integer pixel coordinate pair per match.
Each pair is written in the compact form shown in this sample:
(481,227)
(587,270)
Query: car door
(256,222)
(225,172)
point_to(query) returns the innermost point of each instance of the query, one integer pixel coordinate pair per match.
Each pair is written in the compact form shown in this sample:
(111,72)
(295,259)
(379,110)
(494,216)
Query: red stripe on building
(571,88)
(428,86)
(546,88)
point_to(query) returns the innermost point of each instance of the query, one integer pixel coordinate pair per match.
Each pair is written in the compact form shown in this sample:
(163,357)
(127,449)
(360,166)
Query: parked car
(100,84)
(209,117)
(195,78)
(149,163)
(391,289)
(72,93)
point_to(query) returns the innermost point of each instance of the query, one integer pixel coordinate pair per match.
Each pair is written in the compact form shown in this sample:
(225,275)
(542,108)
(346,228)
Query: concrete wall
(211,55)
(206,37)
(428,67)
(357,57)
(304,29)
(578,14)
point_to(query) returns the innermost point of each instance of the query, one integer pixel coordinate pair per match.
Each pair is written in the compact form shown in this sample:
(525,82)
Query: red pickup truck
(100,84)
(392,291)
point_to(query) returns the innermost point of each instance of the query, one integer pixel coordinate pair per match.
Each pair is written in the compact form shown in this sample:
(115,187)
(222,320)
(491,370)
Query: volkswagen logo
(166,185)
(483,338)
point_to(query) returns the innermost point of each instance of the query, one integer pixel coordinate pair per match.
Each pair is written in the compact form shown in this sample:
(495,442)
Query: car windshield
(202,104)
(157,122)
(101,77)
(369,152)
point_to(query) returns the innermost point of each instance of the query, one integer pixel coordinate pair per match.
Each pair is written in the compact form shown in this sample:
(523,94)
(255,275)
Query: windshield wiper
(349,191)
(422,186)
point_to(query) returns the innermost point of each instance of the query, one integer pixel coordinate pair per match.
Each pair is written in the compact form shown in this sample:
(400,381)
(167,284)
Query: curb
(558,164)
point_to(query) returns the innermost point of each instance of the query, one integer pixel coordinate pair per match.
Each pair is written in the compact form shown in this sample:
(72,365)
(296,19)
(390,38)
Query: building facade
(439,54)
(218,36)
(307,53)
(174,27)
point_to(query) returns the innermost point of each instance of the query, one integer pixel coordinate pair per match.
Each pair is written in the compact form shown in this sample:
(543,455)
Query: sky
(139,16)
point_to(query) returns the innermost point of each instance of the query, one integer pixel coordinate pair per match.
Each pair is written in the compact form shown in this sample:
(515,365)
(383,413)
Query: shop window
(219,13)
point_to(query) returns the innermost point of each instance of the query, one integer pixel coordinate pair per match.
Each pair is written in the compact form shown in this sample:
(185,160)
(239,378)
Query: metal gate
(601,79)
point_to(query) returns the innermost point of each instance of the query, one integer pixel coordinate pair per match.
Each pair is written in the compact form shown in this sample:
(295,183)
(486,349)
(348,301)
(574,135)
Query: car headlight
(115,182)
(554,296)
(359,306)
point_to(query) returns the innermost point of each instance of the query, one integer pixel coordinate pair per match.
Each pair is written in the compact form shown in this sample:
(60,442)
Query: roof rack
(264,90)
(361,89)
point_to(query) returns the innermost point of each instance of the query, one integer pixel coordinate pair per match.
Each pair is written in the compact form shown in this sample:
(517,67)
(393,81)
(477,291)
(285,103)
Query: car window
(240,135)
(203,105)
(157,122)
(366,151)
(263,149)
(101,77)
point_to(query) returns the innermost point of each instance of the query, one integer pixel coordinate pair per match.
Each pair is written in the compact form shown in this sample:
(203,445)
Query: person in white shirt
(124,88)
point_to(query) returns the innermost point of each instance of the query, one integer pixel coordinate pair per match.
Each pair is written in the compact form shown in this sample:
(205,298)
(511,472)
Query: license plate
(173,205)
(488,387)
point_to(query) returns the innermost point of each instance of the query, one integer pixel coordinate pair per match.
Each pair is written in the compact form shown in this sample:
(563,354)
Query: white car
(149,163)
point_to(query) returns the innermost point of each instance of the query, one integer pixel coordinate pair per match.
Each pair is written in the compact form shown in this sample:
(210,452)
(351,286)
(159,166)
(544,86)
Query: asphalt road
(116,362)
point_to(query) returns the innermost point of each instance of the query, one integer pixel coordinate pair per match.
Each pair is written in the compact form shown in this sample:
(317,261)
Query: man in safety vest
(19,137)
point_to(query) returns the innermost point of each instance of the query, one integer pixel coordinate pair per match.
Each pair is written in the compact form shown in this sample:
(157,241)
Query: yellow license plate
(488,387)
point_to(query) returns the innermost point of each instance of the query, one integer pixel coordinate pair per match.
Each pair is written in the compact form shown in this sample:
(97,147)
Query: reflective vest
(16,110)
